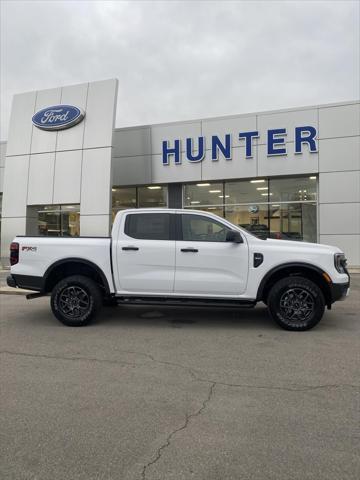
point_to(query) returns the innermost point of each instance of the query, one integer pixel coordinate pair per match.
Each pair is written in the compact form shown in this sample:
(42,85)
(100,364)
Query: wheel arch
(304,269)
(74,266)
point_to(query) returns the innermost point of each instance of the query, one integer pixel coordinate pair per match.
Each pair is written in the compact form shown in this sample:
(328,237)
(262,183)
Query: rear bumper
(10,281)
(27,282)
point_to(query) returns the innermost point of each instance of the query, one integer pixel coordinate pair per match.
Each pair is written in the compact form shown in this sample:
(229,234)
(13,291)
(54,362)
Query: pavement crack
(167,442)
(164,362)
(303,388)
(189,370)
(73,358)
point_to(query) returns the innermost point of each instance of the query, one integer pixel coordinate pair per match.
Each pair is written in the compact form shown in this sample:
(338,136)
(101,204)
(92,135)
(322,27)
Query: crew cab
(180,257)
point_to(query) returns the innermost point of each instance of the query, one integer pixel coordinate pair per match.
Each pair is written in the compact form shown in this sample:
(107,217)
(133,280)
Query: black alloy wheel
(296,303)
(75,300)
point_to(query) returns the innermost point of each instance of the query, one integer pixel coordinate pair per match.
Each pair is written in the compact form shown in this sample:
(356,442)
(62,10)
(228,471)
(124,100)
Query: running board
(185,302)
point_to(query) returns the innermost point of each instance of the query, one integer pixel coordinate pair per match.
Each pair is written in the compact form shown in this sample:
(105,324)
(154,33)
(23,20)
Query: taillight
(14,253)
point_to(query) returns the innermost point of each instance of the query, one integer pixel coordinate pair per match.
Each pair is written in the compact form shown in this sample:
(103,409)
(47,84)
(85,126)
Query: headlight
(340,262)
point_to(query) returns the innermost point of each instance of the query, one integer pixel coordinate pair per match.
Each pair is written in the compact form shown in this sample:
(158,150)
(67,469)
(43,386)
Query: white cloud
(182,60)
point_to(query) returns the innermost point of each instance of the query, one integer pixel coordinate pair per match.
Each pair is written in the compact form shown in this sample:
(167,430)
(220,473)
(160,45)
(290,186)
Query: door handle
(130,248)
(194,250)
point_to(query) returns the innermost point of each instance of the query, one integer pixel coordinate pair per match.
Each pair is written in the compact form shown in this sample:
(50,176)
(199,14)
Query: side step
(185,302)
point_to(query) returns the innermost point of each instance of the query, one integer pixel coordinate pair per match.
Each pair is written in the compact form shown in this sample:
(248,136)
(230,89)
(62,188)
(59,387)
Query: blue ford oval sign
(253,209)
(58,117)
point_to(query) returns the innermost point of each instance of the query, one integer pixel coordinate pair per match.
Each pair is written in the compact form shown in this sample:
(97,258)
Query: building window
(59,220)
(298,189)
(151,196)
(284,208)
(1,195)
(253,218)
(204,194)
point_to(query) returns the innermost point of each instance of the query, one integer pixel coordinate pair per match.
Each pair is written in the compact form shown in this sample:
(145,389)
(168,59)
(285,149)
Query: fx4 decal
(28,249)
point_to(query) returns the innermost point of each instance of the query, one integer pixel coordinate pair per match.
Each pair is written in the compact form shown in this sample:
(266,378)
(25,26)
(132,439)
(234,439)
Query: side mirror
(234,236)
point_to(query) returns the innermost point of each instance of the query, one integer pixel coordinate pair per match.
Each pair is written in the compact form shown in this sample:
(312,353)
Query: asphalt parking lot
(161,394)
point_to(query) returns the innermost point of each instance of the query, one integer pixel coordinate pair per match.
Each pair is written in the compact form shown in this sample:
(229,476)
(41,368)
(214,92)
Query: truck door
(206,264)
(145,253)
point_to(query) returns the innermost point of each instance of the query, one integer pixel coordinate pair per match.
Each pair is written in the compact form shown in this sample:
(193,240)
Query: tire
(296,303)
(75,300)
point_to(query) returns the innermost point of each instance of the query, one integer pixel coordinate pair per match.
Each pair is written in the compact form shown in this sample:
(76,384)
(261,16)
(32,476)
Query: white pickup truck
(180,257)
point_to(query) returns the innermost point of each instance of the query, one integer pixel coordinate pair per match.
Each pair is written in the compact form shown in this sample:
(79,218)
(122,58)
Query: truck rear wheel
(75,300)
(296,303)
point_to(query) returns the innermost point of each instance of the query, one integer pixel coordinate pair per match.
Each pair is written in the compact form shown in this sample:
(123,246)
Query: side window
(148,226)
(202,229)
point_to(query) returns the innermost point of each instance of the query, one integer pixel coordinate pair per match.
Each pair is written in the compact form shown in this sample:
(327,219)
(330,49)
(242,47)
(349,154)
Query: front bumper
(339,291)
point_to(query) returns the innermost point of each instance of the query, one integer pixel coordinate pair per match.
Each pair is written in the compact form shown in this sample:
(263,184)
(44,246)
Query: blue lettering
(201,150)
(217,146)
(273,140)
(248,141)
(309,138)
(167,151)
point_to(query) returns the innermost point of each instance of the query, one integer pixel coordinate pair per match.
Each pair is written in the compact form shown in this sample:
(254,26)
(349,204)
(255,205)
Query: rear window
(148,226)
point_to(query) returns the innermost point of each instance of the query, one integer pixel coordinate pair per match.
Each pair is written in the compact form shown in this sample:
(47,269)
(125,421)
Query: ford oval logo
(253,209)
(58,117)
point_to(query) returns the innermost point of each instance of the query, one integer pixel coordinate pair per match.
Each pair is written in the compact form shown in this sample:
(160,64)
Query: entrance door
(145,254)
(206,264)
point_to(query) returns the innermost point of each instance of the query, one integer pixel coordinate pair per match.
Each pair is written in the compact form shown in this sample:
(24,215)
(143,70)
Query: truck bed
(38,253)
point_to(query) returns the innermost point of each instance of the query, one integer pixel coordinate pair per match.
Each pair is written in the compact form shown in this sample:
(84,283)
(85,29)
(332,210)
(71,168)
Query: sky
(182,60)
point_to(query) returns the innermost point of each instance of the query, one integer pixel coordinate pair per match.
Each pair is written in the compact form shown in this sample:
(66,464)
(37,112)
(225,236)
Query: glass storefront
(284,208)
(0,211)
(59,220)
(150,196)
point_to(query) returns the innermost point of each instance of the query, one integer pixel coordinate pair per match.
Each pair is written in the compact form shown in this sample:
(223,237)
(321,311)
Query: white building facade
(287,174)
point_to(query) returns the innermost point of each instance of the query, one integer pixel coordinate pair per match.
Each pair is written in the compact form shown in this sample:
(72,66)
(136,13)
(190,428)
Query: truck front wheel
(75,300)
(296,303)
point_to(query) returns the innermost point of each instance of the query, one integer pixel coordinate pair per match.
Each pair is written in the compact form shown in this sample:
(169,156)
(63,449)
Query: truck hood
(290,244)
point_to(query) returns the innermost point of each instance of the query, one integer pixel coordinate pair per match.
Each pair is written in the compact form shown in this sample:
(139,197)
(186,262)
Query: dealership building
(288,174)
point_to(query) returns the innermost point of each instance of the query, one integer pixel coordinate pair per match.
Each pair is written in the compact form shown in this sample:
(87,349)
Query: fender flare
(83,261)
(284,266)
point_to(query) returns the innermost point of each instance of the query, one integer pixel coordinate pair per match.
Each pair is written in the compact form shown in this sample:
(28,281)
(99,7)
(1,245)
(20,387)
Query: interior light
(275,206)
(214,191)
(224,196)
(154,187)
(194,202)
(312,178)
(113,189)
(266,194)
(262,188)
(257,181)
(203,184)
